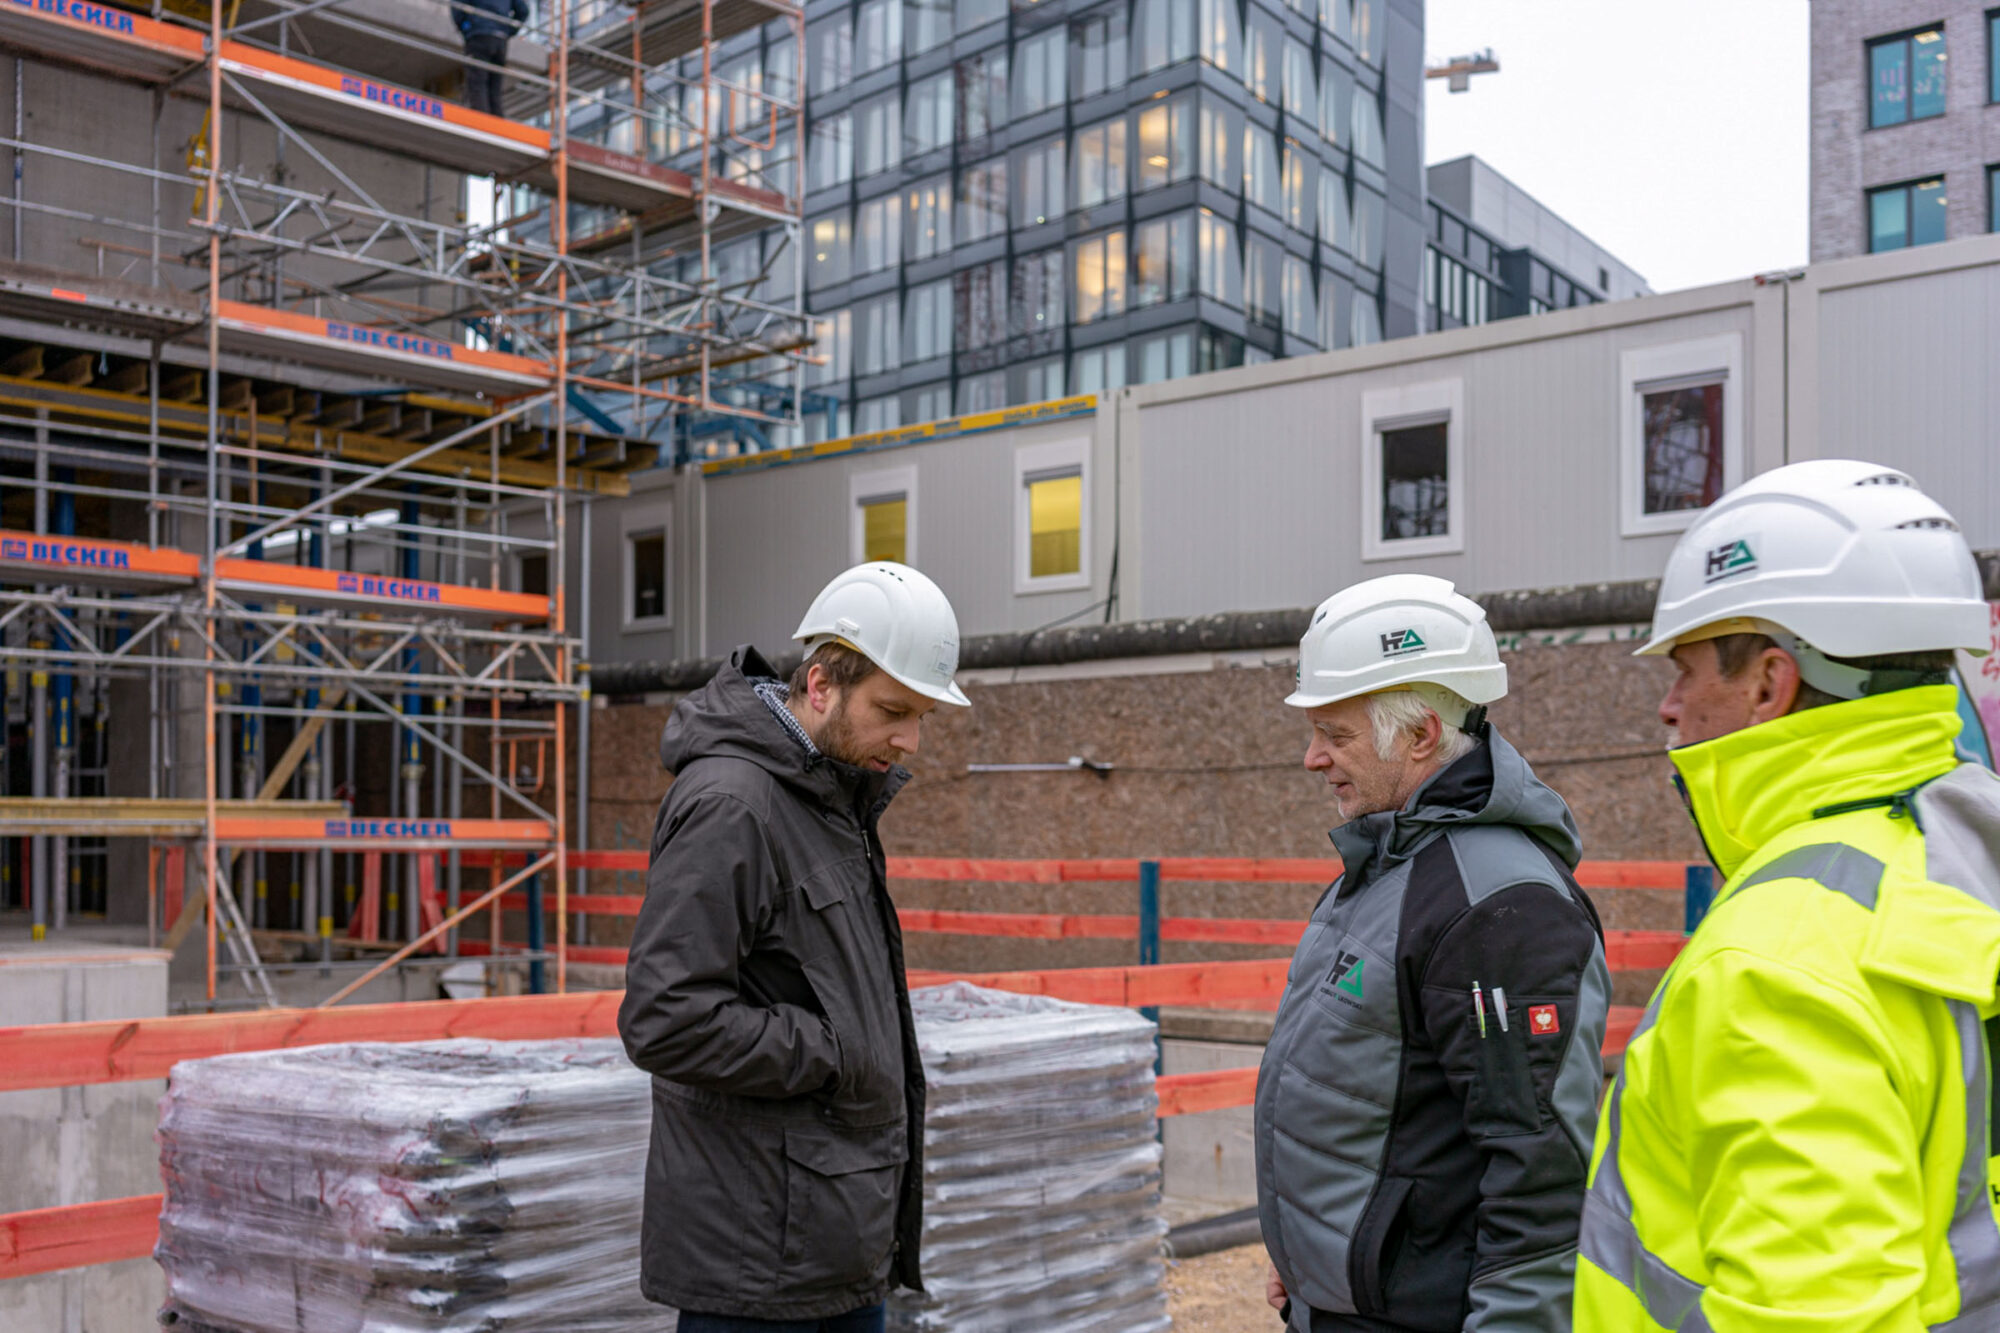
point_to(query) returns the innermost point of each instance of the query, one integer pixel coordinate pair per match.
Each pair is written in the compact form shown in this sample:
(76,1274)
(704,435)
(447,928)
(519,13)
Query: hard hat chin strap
(1850,682)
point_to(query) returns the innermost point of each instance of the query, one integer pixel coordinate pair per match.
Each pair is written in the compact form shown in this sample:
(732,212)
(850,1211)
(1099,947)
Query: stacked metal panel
(1041,1168)
(447,1187)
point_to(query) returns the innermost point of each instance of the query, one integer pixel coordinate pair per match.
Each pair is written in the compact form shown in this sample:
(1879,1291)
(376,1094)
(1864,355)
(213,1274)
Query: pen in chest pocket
(1479,1009)
(1500,1005)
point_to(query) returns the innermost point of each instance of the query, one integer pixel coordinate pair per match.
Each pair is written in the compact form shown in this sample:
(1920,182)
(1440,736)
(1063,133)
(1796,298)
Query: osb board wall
(1208,764)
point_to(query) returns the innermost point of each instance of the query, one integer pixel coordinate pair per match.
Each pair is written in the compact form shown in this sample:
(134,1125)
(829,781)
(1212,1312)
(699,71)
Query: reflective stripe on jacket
(1800,1137)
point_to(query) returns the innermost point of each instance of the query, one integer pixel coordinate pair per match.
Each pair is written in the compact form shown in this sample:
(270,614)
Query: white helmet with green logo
(1833,558)
(1400,632)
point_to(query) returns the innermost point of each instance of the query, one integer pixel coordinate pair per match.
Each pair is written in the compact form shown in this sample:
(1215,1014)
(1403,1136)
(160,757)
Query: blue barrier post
(537,978)
(1700,894)
(1149,939)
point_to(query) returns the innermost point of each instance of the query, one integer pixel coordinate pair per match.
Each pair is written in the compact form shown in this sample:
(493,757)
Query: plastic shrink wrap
(450,1187)
(495,1187)
(1041,1168)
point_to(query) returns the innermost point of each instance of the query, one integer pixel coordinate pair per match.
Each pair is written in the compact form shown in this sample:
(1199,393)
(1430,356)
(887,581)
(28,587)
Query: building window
(1993,198)
(927,219)
(831,242)
(830,155)
(1681,428)
(1366,130)
(1098,266)
(878,337)
(1301,310)
(977,13)
(1262,185)
(1221,134)
(878,34)
(835,348)
(1336,302)
(1097,46)
(1038,175)
(1100,163)
(1301,91)
(1900,216)
(1906,77)
(1993,58)
(1413,471)
(1336,103)
(1261,55)
(876,414)
(829,54)
(982,393)
(927,119)
(926,23)
(982,94)
(1165,142)
(930,403)
(878,135)
(1163,260)
(883,519)
(878,231)
(1166,356)
(1221,267)
(1162,34)
(1368,226)
(1099,370)
(781,70)
(1336,223)
(979,297)
(1365,27)
(982,201)
(532,569)
(1051,524)
(1036,382)
(646,579)
(1040,71)
(1301,183)
(927,323)
(1365,323)
(1038,294)
(1221,39)
(1263,302)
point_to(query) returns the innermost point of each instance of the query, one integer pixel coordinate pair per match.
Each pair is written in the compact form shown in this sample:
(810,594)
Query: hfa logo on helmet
(1402,642)
(1728,560)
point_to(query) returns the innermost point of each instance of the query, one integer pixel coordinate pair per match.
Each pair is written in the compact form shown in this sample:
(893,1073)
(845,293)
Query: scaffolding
(286,454)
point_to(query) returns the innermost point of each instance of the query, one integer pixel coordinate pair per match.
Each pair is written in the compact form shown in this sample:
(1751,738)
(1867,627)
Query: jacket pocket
(840,1203)
(1376,1242)
(1506,1092)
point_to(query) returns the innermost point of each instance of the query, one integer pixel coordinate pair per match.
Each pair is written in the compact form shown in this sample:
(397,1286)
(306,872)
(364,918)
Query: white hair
(1394,714)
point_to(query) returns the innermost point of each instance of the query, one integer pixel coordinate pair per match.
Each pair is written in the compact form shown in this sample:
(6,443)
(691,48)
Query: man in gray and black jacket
(765,989)
(1428,1096)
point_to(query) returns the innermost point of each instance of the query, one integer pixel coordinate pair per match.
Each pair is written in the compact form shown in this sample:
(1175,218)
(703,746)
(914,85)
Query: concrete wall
(79,1145)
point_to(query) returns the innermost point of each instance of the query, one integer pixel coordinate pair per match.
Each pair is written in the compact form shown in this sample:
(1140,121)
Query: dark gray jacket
(765,994)
(1412,1173)
(489,18)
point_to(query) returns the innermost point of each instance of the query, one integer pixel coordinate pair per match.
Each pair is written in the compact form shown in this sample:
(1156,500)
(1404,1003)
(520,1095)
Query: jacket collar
(1745,788)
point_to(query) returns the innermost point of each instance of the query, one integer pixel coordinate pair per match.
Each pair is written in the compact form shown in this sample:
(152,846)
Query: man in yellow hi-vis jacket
(1801,1135)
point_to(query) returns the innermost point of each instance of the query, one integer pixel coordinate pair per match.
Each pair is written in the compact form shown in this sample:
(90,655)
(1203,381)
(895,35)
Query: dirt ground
(1220,1293)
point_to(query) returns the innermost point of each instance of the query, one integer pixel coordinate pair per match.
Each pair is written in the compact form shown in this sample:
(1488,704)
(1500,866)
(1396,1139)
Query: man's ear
(1778,685)
(1425,741)
(819,690)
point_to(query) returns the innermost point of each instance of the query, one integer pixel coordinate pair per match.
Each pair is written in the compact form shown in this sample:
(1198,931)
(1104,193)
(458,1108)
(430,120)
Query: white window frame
(1698,361)
(633,525)
(1034,461)
(1394,409)
(881,483)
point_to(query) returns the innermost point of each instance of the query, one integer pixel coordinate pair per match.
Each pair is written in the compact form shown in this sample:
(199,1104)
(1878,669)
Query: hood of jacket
(726,718)
(1745,788)
(1491,785)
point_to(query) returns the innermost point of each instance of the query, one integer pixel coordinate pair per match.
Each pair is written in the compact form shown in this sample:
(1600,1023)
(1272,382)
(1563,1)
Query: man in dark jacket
(485,26)
(1427,1099)
(765,989)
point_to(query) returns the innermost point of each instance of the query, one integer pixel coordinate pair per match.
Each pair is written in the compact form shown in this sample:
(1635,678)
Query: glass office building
(1006,203)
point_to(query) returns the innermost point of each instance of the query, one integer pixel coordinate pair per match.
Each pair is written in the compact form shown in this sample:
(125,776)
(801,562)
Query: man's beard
(836,738)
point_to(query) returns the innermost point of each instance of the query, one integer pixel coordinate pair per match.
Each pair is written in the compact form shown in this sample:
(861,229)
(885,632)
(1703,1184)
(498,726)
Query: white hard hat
(1402,631)
(897,619)
(1834,558)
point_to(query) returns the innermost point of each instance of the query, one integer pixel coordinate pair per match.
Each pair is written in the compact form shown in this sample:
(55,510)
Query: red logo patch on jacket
(1542,1018)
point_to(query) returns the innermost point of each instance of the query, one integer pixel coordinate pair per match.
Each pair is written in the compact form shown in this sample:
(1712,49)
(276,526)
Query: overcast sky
(1671,132)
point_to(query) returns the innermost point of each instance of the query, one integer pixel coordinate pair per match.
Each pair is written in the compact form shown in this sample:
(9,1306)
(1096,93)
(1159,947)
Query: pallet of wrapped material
(1041,1168)
(443,1187)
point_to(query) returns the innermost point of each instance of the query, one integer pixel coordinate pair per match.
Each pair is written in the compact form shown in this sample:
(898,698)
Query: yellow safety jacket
(1800,1136)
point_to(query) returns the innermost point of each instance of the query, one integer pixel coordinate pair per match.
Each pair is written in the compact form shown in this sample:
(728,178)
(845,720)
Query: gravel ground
(1221,1293)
